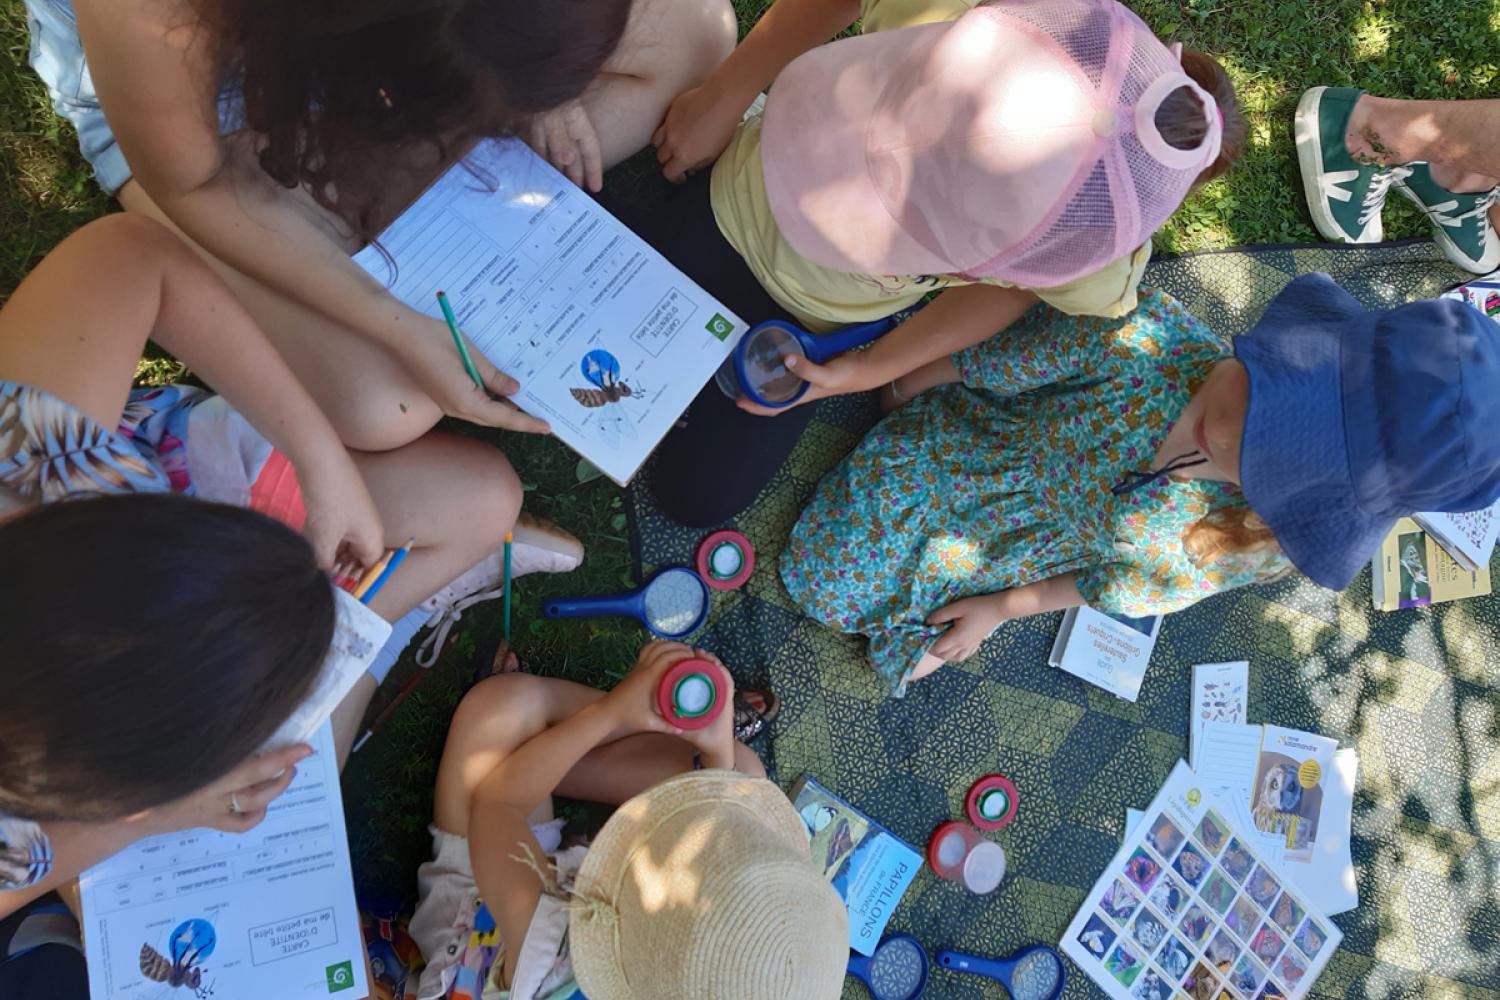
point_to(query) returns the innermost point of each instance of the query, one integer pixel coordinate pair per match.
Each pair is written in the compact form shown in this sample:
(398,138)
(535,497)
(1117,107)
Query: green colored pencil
(505,629)
(458,341)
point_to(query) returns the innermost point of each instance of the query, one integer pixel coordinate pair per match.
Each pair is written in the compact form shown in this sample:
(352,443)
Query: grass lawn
(1273,49)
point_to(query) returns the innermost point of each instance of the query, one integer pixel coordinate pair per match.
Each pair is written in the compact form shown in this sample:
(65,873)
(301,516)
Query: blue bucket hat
(1357,418)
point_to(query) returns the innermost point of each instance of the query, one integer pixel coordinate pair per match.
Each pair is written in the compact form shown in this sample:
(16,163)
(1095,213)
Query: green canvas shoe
(1344,196)
(1460,222)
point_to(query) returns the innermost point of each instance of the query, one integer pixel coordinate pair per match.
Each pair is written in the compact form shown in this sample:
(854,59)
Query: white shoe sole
(540,546)
(1310,159)
(1489,262)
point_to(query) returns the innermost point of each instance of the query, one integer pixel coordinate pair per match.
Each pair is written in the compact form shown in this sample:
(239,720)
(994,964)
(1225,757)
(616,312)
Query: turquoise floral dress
(1004,479)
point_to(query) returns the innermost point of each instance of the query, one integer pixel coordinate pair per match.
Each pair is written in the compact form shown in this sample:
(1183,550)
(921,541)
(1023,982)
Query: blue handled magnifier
(757,369)
(897,970)
(1034,973)
(673,604)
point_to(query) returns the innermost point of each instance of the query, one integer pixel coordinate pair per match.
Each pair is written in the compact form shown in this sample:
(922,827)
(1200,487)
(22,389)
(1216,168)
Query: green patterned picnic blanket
(1418,692)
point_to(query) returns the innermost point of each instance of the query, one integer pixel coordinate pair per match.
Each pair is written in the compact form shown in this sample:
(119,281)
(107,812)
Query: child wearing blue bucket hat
(1143,464)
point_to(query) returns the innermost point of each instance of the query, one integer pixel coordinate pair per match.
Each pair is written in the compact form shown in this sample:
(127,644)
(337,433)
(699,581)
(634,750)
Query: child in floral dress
(1017,490)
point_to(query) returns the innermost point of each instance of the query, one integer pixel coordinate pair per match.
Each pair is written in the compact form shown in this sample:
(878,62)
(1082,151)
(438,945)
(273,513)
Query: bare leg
(669,46)
(457,497)
(927,665)
(504,711)
(1462,136)
(370,400)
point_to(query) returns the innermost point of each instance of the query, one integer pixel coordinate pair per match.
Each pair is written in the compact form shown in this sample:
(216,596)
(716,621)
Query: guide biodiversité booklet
(1110,651)
(869,866)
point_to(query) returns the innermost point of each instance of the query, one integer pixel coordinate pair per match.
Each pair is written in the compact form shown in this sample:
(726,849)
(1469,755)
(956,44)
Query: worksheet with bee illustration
(202,914)
(609,341)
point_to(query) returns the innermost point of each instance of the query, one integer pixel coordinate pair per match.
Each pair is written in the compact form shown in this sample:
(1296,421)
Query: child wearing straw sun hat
(1145,464)
(699,886)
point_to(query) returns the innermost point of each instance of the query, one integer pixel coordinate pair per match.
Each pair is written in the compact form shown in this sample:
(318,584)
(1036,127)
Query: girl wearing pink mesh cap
(1007,152)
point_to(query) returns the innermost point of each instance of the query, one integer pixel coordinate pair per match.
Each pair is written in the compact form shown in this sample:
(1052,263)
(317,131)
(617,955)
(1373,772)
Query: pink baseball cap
(1017,142)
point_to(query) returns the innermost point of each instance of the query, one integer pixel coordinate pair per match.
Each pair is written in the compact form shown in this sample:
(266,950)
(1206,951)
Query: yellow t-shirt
(823,298)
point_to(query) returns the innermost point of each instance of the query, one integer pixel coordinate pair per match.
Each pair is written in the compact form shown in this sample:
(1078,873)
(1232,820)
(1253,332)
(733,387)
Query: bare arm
(974,618)
(498,830)
(152,66)
(957,318)
(701,121)
(76,847)
(77,324)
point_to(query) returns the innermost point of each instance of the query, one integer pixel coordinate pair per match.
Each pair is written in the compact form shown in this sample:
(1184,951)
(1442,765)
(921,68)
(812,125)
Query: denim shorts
(57,57)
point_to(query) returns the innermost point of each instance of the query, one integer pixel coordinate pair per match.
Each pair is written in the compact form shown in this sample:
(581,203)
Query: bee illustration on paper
(602,369)
(191,943)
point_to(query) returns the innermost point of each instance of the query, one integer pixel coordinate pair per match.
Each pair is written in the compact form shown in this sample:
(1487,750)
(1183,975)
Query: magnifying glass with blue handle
(1034,973)
(672,605)
(757,369)
(896,971)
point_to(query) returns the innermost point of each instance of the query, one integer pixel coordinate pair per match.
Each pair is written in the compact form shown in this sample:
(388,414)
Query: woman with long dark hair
(279,135)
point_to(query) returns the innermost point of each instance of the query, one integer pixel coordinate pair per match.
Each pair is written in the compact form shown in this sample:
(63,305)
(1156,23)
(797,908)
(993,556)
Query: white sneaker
(538,546)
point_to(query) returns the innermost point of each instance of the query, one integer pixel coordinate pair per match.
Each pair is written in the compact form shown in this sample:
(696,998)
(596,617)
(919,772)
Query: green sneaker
(1344,195)
(1460,222)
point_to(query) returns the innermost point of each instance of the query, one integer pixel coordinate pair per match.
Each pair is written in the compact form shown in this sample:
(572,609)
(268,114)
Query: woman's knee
(490,489)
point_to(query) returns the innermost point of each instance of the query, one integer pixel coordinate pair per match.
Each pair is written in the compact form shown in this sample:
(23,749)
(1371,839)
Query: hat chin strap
(1138,480)
(1150,136)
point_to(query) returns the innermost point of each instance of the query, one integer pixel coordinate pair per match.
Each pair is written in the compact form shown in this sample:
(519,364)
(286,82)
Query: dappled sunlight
(668,879)
(1371,35)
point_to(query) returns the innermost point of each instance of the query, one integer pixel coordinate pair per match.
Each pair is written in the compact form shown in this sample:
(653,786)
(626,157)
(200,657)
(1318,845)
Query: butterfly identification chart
(609,341)
(1190,906)
(202,914)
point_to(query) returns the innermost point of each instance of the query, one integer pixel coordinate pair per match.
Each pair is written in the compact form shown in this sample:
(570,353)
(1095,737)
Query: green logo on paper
(340,977)
(719,326)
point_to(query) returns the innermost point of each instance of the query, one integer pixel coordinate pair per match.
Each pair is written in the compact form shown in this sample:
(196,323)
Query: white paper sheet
(277,904)
(1220,694)
(541,277)
(1327,881)
(358,634)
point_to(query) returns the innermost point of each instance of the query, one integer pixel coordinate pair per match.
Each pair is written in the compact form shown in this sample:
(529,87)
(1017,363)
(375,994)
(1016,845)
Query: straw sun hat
(703,888)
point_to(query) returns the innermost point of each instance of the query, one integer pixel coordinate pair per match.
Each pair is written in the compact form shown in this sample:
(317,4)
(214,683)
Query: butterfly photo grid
(1189,909)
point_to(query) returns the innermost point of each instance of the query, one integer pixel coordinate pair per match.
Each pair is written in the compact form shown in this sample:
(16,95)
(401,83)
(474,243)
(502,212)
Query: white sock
(403,631)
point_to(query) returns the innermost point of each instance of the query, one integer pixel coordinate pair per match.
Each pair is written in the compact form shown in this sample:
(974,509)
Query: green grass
(1273,49)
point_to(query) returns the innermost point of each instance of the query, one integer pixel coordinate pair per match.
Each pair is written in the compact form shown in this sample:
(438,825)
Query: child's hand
(565,136)
(634,699)
(252,786)
(844,374)
(715,742)
(973,619)
(697,128)
(342,522)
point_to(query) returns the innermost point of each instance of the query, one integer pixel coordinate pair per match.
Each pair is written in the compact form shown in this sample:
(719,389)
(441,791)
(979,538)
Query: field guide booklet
(609,341)
(1190,906)
(1110,651)
(269,913)
(869,866)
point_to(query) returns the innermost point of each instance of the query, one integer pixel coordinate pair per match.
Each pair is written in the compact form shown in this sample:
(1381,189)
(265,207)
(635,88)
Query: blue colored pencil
(385,574)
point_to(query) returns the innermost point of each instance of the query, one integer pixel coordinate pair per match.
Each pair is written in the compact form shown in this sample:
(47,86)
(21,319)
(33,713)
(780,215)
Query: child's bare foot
(753,712)
(506,660)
